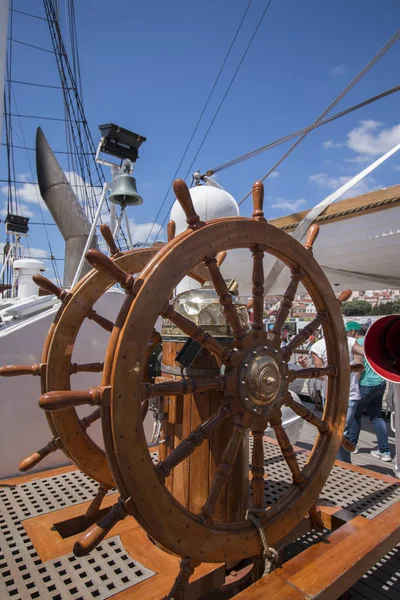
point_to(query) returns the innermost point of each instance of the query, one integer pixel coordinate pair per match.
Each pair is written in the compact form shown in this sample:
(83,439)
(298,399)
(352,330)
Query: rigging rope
(221,103)
(53,260)
(200,118)
(290,136)
(229,86)
(356,79)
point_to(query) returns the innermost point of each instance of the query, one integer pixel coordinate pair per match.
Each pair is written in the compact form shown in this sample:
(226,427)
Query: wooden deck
(26,574)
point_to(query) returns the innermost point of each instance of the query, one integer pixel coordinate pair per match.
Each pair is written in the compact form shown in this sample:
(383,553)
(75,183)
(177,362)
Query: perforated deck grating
(108,569)
(360,494)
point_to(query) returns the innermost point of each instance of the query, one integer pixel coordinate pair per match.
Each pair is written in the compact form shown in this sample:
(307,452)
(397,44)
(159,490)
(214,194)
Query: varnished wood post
(190,480)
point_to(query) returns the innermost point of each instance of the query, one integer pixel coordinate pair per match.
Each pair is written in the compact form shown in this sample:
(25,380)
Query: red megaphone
(382,347)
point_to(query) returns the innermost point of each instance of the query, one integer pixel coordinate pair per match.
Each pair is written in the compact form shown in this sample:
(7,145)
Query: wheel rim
(66,424)
(147,498)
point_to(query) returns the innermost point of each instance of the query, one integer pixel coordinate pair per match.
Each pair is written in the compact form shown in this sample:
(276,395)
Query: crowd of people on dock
(365,394)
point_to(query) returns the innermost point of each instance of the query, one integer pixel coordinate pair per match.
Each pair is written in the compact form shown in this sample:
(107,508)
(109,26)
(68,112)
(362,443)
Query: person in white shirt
(320,359)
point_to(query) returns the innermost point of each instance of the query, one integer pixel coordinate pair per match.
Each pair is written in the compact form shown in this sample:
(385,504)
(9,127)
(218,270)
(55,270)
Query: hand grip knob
(34,459)
(97,532)
(17,370)
(344,296)
(257,192)
(50,287)
(171,230)
(58,400)
(185,200)
(109,239)
(347,444)
(221,256)
(101,262)
(312,235)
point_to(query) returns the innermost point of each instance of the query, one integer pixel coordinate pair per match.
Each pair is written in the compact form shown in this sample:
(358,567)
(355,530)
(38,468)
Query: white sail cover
(358,245)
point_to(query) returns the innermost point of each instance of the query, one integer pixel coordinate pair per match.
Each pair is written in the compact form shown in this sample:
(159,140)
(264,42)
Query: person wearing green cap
(356,352)
(372,389)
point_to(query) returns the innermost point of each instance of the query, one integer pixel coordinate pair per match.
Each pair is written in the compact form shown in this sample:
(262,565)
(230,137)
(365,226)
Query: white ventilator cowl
(209,203)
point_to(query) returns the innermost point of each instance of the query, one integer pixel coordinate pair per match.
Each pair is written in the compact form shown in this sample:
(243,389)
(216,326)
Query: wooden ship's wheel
(247,393)
(70,433)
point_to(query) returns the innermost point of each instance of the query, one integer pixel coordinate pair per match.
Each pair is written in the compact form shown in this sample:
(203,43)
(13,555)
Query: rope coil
(270,555)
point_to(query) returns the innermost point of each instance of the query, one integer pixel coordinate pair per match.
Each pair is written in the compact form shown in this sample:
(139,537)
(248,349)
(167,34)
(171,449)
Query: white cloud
(274,174)
(34,252)
(337,71)
(286,204)
(324,180)
(397,168)
(30,193)
(370,139)
(140,231)
(23,209)
(331,144)
(358,160)
(26,192)
(37,252)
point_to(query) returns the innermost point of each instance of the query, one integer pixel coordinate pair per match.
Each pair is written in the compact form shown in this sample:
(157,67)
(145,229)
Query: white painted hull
(23,426)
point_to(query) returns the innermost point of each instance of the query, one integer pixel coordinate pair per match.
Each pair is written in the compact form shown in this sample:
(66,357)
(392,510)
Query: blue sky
(149,67)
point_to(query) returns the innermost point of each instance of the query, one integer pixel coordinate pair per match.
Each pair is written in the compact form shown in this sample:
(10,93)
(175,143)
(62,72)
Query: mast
(3,49)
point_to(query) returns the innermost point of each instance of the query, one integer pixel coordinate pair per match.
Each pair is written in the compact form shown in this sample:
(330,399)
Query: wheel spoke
(197,333)
(86,368)
(184,386)
(306,414)
(286,303)
(287,449)
(304,334)
(102,321)
(313,372)
(225,298)
(258,289)
(86,422)
(94,506)
(257,469)
(224,470)
(188,445)
(316,519)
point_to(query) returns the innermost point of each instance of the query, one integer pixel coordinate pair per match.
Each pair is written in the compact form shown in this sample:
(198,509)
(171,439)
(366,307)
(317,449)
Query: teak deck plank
(332,566)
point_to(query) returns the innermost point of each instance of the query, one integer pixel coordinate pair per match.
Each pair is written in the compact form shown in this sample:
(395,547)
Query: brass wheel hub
(262,380)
